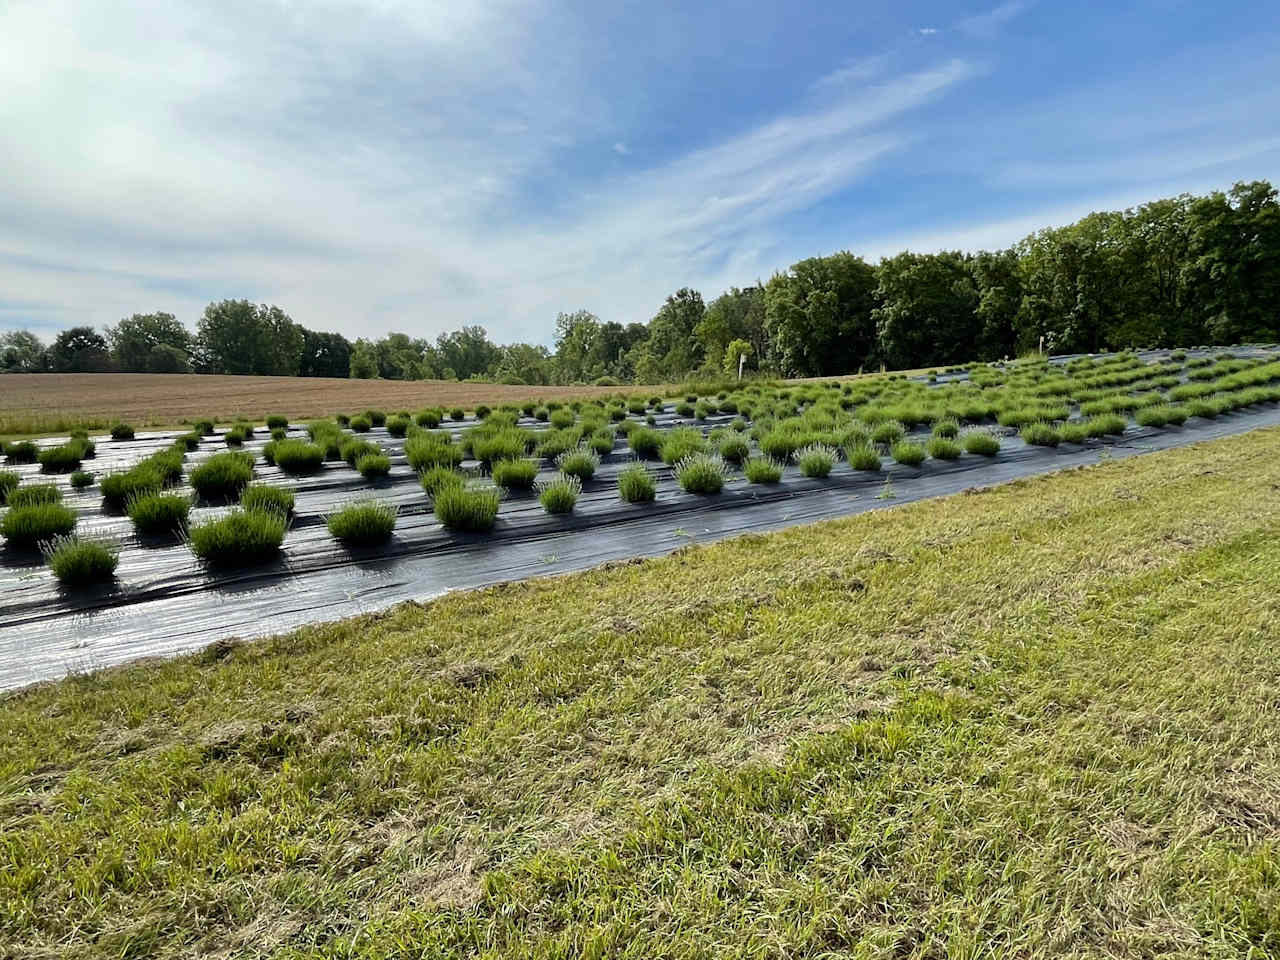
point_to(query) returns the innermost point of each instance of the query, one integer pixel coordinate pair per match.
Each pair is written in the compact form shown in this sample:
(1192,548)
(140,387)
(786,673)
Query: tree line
(1179,271)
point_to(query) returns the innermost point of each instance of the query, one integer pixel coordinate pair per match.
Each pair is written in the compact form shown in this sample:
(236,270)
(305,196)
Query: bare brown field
(51,402)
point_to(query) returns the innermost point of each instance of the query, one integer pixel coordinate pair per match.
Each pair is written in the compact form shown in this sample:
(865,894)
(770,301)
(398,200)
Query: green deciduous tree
(21,352)
(239,337)
(79,350)
(818,316)
(134,342)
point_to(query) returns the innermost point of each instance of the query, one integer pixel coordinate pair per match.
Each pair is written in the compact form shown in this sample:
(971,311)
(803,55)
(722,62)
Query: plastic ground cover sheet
(166,603)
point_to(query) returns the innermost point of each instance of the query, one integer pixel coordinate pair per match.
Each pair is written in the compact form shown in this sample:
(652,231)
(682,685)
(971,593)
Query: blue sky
(373,165)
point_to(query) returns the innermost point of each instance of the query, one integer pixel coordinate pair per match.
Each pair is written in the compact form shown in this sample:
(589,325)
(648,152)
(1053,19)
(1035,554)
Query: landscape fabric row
(167,604)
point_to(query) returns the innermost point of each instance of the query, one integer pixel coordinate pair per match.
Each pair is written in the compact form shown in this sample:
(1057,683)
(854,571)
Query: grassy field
(1038,720)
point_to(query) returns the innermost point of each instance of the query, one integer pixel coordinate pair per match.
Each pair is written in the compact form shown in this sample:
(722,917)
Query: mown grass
(1069,751)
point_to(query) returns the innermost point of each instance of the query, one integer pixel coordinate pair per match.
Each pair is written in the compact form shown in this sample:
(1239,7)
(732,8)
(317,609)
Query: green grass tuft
(8,483)
(816,460)
(263,496)
(862,456)
(762,470)
(241,538)
(580,463)
(373,466)
(222,476)
(515,474)
(907,453)
(471,507)
(636,484)
(155,514)
(79,480)
(298,457)
(28,526)
(1040,434)
(942,448)
(364,522)
(76,562)
(121,431)
(559,494)
(34,495)
(703,473)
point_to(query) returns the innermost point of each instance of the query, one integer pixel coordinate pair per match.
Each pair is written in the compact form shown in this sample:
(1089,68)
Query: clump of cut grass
(279,433)
(34,495)
(907,453)
(1074,432)
(203,427)
(888,433)
(118,488)
(947,428)
(489,442)
(156,514)
(580,463)
(1040,434)
(563,418)
(681,443)
(428,450)
(21,451)
(469,507)
(168,464)
(457,413)
(862,456)
(241,538)
(645,442)
(8,482)
(436,479)
(298,457)
(429,418)
(342,419)
(79,480)
(816,460)
(376,417)
(941,448)
(353,450)
(222,476)
(483,411)
(1161,415)
(398,426)
(372,466)
(65,457)
(29,526)
(188,441)
(277,422)
(77,562)
(263,496)
(601,441)
(361,424)
(515,474)
(636,484)
(734,448)
(235,436)
(703,473)
(762,470)
(560,494)
(121,431)
(1109,424)
(984,443)
(364,522)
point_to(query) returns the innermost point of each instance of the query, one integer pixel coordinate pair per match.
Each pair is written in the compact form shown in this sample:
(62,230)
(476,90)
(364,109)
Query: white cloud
(927,31)
(987,25)
(369,170)
(621,149)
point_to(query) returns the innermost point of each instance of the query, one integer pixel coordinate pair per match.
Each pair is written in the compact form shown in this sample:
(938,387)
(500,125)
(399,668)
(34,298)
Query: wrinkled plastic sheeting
(168,604)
